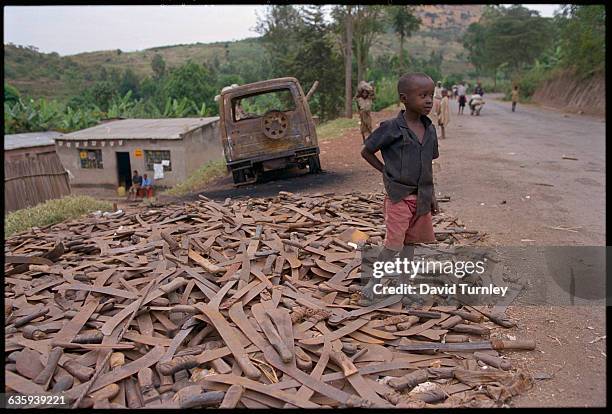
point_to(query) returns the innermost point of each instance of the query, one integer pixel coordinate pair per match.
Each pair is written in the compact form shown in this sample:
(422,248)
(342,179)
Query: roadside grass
(197,180)
(336,128)
(52,212)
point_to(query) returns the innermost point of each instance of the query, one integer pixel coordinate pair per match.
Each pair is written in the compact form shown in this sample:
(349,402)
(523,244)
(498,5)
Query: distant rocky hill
(449,16)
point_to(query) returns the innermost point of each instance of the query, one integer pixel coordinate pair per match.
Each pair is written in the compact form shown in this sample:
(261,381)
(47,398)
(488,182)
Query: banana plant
(120,106)
(203,110)
(177,109)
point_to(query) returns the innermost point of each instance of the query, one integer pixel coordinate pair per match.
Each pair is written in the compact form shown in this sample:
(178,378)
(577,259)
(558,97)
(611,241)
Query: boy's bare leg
(442,131)
(367,291)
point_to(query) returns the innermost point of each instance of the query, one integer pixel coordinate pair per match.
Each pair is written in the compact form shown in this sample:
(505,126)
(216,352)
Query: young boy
(408,144)
(444,113)
(515,97)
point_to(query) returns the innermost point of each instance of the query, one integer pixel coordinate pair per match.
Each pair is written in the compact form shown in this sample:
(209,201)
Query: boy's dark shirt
(407,162)
(137,179)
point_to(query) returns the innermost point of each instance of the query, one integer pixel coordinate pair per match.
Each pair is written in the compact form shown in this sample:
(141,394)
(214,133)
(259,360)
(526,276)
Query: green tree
(320,61)
(343,27)
(102,93)
(404,24)
(583,37)
(474,43)
(298,43)
(514,36)
(278,28)
(191,81)
(158,64)
(368,25)
(129,82)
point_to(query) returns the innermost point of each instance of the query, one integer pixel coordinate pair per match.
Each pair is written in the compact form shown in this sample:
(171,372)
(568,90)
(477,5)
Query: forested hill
(50,76)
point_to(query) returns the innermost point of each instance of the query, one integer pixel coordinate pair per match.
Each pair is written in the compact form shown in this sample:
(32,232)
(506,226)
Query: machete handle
(525,344)
(177,364)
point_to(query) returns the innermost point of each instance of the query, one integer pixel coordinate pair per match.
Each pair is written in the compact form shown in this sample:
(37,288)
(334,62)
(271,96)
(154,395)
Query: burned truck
(267,126)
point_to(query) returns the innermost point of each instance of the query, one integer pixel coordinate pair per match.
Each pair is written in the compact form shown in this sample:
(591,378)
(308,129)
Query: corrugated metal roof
(30,139)
(167,128)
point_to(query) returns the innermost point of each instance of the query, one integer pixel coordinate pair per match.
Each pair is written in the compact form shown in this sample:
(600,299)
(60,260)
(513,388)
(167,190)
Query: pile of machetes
(248,303)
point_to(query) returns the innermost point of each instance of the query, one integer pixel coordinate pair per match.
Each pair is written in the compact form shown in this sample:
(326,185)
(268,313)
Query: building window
(156,157)
(90,158)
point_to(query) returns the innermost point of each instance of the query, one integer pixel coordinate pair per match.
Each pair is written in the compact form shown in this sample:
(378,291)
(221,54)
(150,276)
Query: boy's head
(364,93)
(439,84)
(444,92)
(145,176)
(416,92)
(135,172)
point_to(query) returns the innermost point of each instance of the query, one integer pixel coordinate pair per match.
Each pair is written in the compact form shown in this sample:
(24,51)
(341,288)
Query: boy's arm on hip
(372,159)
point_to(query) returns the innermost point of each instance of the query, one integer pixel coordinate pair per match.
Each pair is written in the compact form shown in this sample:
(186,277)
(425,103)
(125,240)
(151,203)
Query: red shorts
(404,227)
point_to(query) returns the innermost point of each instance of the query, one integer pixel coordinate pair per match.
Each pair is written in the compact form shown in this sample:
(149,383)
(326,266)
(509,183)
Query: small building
(103,157)
(29,145)
(33,172)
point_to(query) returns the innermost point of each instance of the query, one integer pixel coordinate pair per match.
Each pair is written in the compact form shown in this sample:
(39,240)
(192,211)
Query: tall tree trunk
(401,54)
(495,79)
(363,57)
(359,58)
(348,67)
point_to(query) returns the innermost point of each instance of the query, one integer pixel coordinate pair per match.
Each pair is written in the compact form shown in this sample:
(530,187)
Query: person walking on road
(444,113)
(461,97)
(478,89)
(476,103)
(515,97)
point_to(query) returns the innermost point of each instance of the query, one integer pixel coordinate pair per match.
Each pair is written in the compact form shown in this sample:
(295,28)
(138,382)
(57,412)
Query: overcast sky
(69,30)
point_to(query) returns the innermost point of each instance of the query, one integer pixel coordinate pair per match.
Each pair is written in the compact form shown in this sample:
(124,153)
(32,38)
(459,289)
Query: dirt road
(506,176)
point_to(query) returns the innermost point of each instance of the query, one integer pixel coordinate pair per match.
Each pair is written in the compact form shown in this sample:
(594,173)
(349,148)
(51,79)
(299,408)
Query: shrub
(386,94)
(336,128)
(197,180)
(52,212)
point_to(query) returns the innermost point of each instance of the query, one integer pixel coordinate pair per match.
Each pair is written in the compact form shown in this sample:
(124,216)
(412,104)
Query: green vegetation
(182,80)
(521,48)
(204,175)
(509,45)
(386,94)
(336,128)
(52,212)
(507,39)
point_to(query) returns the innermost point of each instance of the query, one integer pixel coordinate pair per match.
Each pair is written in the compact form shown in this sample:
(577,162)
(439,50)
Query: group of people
(476,101)
(144,184)
(440,113)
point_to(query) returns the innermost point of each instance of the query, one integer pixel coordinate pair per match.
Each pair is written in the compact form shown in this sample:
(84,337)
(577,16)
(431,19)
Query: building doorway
(124,169)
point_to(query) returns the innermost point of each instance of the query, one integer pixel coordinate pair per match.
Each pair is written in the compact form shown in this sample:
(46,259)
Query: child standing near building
(408,144)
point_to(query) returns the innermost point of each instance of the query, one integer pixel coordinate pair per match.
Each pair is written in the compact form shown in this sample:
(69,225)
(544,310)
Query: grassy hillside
(49,75)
